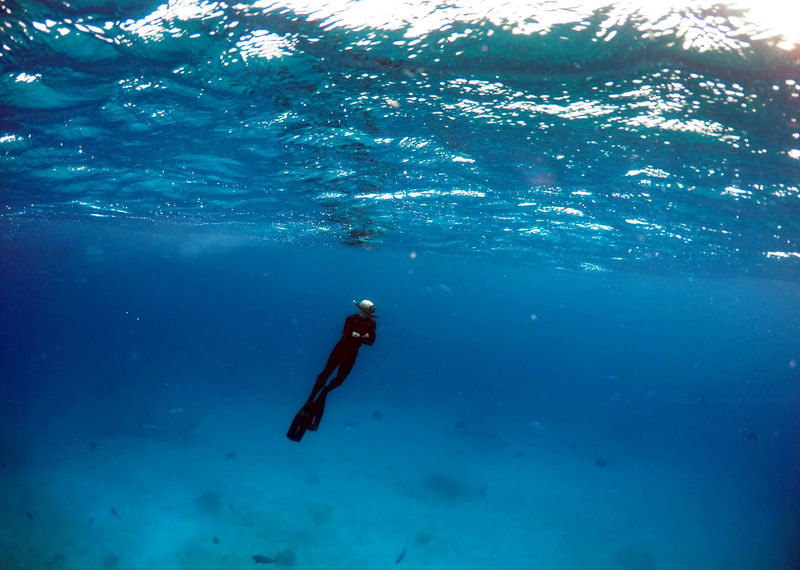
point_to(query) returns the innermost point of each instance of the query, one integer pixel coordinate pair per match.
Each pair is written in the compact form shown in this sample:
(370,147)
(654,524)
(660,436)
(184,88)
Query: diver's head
(366,307)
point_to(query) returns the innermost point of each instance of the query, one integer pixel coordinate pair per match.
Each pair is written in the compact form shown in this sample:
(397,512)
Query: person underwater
(359,329)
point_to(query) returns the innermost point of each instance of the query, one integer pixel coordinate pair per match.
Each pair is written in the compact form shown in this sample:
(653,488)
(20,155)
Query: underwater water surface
(579,223)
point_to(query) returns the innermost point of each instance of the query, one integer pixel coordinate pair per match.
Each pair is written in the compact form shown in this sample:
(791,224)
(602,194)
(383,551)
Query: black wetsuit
(342,356)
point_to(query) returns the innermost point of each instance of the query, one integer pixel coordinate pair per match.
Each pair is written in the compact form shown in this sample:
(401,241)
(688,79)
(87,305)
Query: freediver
(359,328)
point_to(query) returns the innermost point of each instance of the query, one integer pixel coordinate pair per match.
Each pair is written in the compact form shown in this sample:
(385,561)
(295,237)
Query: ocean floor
(209,485)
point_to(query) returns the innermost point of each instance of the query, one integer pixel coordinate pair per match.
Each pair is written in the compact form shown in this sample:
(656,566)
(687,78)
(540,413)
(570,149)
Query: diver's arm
(368,338)
(349,331)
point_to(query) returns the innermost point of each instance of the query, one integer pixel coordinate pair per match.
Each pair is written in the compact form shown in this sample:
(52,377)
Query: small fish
(377,414)
(350,424)
(600,462)
(259,559)
(402,554)
(29,515)
(230,455)
(175,411)
(115,513)
(92,446)
(215,540)
(91,523)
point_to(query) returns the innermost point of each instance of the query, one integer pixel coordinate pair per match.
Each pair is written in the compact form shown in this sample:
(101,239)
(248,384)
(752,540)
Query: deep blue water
(579,225)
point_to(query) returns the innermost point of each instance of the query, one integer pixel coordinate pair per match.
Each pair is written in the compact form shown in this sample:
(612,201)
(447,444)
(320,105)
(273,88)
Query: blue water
(580,226)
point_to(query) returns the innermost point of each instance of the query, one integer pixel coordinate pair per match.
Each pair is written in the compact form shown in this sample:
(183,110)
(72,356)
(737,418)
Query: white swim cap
(367,306)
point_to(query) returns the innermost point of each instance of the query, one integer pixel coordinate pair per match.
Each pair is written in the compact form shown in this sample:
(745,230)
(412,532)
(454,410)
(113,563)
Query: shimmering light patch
(708,34)
(420,194)
(595,227)
(138,84)
(794,153)
(9,138)
(479,87)
(783,254)
(27,78)
(472,107)
(649,171)
(561,210)
(462,159)
(774,17)
(398,195)
(471,193)
(648,225)
(699,24)
(706,128)
(411,142)
(89,29)
(576,110)
(157,24)
(98,207)
(264,44)
(737,192)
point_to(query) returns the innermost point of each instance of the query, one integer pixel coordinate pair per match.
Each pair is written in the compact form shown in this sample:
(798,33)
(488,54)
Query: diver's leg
(316,410)
(345,366)
(330,366)
(318,407)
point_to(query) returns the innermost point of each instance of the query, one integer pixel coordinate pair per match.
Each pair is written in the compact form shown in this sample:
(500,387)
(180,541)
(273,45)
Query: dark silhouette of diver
(359,329)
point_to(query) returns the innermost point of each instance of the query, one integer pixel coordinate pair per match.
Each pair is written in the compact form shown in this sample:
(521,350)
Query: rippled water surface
(632,135)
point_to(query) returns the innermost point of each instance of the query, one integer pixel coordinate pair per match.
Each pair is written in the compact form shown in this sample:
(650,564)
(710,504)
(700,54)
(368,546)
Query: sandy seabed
(206,489)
